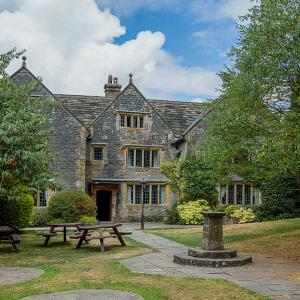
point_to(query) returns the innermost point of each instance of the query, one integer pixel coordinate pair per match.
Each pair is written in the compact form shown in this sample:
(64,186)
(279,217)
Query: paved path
(266,276)
(12,275)
(87,294)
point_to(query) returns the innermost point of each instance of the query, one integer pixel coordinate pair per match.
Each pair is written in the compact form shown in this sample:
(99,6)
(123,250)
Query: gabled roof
(85,108)
(24,76)
(179,115)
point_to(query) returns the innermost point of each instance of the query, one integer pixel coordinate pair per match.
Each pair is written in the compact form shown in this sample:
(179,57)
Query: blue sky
(174,48)
(207,48)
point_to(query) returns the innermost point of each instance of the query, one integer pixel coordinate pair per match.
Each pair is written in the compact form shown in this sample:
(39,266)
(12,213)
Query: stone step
(185,259)
(199,252)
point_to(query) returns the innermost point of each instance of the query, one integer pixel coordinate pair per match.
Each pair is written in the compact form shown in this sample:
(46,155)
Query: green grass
(266,237)
(69,269)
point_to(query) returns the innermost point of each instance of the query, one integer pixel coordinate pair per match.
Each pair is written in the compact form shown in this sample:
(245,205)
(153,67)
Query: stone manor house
(112,146)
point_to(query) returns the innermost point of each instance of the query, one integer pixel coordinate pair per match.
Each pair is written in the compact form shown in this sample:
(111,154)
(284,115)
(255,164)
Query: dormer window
(131,120)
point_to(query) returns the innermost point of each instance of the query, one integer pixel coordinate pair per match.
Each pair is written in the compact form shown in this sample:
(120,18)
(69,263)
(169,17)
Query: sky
(174,48)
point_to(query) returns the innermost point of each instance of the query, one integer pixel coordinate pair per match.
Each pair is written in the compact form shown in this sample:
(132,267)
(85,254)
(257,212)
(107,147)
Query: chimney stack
(112,88)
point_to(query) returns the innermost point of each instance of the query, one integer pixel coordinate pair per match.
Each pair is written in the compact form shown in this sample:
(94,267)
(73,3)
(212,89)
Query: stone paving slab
(266,276)
(12,275)
(90,294)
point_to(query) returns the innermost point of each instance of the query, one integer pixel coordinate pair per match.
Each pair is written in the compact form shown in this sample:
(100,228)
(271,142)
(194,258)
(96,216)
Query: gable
(24,76)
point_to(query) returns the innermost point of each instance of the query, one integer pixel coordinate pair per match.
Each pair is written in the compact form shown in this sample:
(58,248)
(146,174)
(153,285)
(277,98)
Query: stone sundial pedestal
(212,253)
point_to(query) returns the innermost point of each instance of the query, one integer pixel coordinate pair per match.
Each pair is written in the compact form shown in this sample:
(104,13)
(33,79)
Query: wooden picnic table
(86,236)
(7,236)
(59,227)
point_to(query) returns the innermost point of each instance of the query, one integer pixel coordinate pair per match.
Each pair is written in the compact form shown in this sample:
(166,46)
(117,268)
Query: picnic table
(7,236)
(85,234)
(59,227)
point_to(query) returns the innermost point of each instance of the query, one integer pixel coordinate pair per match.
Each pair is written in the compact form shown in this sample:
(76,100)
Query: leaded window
(153,194)
(142,158)
(239,194)
(132,120)
(247,195)
(98,153)
(231,195)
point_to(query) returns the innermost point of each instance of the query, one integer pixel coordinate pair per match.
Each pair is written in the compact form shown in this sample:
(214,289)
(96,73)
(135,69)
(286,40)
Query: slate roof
(85,108)
(178,114)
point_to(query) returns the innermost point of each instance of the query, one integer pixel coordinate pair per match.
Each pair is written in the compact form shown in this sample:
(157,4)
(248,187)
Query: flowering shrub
(243,215)
(229,210)
(190,212)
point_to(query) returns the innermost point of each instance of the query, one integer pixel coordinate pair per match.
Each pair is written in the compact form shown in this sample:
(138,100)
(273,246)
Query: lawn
(277,238)
(68,269)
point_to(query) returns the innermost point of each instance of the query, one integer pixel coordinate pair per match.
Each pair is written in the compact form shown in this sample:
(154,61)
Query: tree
(191,179)
(25,160)
(254,130)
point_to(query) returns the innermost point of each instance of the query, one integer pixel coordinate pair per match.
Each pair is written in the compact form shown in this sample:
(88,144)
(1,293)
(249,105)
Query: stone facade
(126,170)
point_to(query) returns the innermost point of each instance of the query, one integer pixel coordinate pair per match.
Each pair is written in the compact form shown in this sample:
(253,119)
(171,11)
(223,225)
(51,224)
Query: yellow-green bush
(87,220)
(230,209)
(190,212)
(243,215)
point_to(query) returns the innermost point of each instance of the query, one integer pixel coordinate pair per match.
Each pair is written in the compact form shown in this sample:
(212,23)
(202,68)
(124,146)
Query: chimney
(112,88)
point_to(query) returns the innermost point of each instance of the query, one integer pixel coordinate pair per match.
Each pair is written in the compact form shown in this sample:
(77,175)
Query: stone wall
(68,145)
(106,131)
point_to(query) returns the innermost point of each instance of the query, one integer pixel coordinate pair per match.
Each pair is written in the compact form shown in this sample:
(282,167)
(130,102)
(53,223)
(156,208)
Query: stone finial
(24,61)
(130,77)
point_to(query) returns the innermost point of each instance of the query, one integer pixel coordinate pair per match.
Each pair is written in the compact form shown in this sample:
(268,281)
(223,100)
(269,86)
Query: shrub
(230,209)
(171,216)
(40,217)
(278,198)
(220,208)
(243,215)
(87,220)
(16,212)
(71,205)
(190,212)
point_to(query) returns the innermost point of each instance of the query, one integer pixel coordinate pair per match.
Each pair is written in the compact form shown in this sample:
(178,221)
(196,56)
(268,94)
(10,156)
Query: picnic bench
(85,234)
(7,236)
(56,228)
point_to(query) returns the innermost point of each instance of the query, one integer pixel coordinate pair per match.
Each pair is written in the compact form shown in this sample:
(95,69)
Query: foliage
(40,217)
(69,205)
(171,215)
(279,200)
(190,212)
(220,208)
(16,212)
(25,158)
(191,178)
(254,129)
(87,220)
(243,215)
(230,209)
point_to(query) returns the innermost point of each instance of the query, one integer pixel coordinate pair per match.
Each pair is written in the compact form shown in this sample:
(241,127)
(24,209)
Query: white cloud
(200,34)
(212,10)
(235,8)
(70,44)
